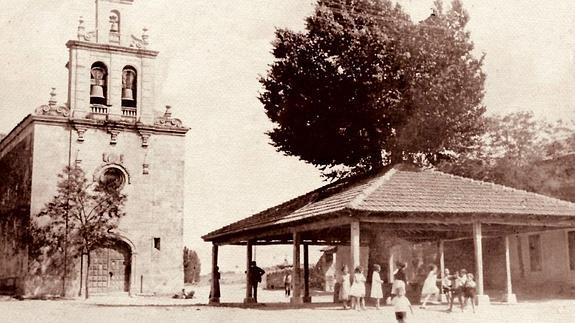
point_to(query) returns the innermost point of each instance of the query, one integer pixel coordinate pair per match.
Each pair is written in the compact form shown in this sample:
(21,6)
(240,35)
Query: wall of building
(154,207)
(15,192)
(555,274)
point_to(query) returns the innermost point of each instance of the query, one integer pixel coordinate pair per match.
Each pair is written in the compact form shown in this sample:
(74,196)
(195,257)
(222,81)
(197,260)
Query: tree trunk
(81,274)
(87,274)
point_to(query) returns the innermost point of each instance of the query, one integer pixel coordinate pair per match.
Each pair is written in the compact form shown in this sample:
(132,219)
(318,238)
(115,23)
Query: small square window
(157,243)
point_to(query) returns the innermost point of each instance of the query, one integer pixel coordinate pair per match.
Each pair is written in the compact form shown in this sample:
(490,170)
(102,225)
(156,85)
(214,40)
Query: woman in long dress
(357,290)
(376,282)
(344,287)
(430,286)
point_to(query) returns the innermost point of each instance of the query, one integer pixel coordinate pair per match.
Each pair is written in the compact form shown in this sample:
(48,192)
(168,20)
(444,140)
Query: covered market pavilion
(419,205)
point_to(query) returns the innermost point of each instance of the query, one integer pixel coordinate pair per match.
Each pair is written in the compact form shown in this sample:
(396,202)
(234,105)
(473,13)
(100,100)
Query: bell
(127,95)
(97,91)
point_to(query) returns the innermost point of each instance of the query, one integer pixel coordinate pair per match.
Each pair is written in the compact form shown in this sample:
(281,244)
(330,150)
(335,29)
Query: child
(376,282)
(446,284)
(469,291)
(457,287)
(357,290)
(344,287)
(430,286)
(399,277)
(400,305)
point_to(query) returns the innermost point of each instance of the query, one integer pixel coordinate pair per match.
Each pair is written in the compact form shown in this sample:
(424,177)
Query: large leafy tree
(363,86)
(81,217)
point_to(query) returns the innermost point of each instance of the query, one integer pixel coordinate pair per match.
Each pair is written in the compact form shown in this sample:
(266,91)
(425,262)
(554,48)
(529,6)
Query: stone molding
(145,135)
(52,110)
(107,48)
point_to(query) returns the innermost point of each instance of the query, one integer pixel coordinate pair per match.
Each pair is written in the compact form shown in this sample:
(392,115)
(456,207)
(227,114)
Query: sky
(211,55)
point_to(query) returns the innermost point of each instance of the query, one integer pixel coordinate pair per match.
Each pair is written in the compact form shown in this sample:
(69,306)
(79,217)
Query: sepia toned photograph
(287,161)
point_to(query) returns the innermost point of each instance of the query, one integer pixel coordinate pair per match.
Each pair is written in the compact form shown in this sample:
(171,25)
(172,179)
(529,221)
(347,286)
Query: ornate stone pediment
(48,110)
(167,121)
(52,108)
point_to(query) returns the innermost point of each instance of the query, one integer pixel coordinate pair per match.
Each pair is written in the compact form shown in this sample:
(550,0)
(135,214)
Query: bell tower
(111,71)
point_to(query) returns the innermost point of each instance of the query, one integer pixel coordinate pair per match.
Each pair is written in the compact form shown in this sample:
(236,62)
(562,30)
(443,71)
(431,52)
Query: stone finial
(145,36)
(168,113)
(81,29)
(52,102)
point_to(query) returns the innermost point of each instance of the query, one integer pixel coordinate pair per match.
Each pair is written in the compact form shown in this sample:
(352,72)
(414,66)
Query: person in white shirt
(400,305)
(376,282)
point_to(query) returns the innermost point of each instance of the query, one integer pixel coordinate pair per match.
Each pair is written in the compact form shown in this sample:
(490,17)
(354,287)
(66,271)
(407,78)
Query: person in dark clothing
(215,291)
(255,277)
(399,276)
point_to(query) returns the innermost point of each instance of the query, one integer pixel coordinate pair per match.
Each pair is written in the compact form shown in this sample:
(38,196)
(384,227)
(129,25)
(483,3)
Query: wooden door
(109,270)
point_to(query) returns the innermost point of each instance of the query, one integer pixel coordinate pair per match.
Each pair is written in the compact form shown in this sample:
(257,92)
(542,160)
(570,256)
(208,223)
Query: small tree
(80,218)
(192,266)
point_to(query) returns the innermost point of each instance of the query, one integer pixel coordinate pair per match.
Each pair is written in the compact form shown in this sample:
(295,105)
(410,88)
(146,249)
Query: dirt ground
(157,309)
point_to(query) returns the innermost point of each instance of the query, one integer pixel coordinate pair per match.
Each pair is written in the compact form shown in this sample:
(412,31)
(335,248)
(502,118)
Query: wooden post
(354,250)
(306,296)
(214,292)
(477,237)
(442,270)
(510,298)
(249,297)
(391,266)
(296,277)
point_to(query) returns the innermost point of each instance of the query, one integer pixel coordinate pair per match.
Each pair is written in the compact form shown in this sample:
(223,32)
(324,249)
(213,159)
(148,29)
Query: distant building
(109,127)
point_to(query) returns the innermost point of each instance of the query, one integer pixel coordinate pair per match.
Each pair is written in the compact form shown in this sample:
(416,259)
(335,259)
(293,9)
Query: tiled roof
(405,188)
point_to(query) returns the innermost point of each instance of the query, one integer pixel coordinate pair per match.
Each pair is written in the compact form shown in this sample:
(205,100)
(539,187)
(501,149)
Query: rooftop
(403,190)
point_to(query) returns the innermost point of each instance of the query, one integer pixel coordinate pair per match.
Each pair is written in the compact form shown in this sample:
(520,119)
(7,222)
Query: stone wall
(154,207)
(15,192)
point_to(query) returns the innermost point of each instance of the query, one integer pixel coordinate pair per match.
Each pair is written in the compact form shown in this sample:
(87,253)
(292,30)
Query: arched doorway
(110,269)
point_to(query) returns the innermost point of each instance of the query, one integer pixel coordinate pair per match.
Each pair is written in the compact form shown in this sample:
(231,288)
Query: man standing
(287,284)
(255,277)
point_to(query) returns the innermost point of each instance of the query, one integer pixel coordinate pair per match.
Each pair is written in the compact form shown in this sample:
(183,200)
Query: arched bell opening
(98,84)
(129,87)
(115,22)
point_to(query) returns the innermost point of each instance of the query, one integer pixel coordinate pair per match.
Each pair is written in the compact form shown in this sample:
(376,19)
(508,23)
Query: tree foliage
(192,266)
(363,86)
(519,150)
(81,217)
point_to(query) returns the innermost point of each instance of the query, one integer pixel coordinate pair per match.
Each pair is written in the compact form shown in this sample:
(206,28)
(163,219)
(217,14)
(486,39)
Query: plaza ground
(163,309)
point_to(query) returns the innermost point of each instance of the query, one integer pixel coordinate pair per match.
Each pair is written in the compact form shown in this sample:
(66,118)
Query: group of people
(352,290)
(460,285)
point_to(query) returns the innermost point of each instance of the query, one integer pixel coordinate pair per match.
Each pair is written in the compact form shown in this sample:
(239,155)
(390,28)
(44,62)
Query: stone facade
(108,123)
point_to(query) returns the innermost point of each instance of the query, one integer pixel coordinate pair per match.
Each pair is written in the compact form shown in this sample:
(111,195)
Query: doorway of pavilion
(110,269)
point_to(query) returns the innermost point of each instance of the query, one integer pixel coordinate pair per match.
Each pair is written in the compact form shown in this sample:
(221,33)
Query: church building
(111,128)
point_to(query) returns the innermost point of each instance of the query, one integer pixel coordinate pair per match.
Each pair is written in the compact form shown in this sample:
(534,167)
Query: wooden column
(249,297)
(391,266)
(441,269)
(214,299)
(354,250)
(509,296)
(477,238)
(296,274)
(306,296)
